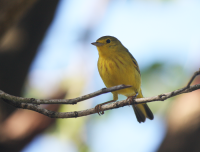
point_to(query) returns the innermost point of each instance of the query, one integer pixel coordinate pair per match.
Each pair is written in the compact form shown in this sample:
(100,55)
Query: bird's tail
(142,111)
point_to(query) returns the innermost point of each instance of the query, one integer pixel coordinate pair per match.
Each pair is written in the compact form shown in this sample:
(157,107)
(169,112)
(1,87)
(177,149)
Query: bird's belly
(115,73)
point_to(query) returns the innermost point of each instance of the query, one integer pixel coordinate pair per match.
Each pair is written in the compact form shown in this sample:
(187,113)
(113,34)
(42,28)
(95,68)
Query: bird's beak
(97,44)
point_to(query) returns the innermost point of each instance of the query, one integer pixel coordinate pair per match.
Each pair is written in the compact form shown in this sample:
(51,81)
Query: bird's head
(107,45)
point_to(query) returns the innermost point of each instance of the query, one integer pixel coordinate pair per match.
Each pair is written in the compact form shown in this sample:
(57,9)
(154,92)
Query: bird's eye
(107,41)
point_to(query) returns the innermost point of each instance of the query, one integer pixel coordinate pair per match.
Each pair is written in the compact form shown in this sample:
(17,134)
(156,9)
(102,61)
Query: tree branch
(31,103)
(6,96)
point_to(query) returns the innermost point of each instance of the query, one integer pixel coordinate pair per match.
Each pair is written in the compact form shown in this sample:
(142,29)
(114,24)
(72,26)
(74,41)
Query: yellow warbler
(117,66)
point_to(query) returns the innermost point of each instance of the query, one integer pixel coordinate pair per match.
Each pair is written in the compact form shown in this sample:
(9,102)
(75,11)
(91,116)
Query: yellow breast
(119,69)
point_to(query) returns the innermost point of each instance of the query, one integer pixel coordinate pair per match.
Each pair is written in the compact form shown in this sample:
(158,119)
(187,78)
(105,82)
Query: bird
(116,66)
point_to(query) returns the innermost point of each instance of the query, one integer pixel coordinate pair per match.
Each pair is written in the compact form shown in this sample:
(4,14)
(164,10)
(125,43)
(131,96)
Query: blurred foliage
(160,78)
(73,129)
(66,129)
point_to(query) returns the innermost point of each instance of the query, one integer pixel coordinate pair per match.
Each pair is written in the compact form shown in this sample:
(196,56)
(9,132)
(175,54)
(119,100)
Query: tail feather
(142,111)
(139,115)
(148,112)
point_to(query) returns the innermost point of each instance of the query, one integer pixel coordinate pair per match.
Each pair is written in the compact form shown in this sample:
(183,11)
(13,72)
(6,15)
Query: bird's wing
(134,61)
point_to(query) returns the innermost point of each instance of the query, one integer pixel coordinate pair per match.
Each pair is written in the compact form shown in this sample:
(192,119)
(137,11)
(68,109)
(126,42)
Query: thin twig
(193,77)
(16,103)
(6,96)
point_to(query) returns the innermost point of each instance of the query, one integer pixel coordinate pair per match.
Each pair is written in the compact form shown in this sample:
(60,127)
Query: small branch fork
(33,104)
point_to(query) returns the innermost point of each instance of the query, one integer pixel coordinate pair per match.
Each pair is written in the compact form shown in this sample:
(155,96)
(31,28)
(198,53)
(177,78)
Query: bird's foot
(99,109)
(131,100)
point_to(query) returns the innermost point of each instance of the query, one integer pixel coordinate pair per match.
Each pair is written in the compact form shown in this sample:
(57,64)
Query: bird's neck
(108,53)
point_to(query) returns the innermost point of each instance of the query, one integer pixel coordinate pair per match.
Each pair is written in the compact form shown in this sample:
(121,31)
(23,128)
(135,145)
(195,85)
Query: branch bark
(60,101)
(31,103)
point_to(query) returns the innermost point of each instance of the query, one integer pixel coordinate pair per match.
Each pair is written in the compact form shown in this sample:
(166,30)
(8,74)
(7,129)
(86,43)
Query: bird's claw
(131,100)
(99,109)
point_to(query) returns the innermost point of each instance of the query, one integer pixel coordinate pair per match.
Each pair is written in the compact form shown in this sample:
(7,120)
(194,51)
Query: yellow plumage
(117,66)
